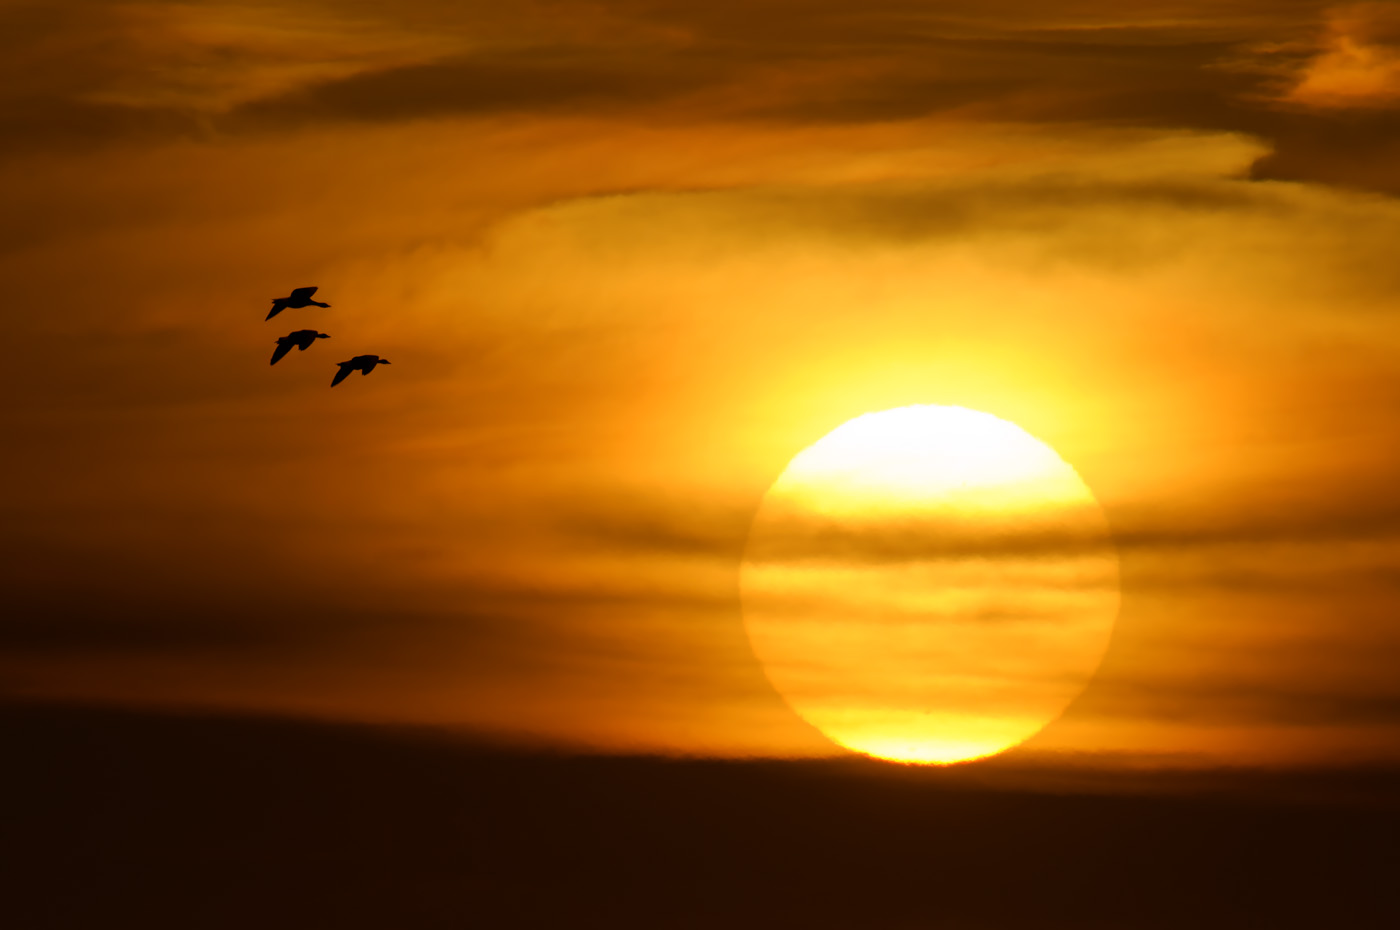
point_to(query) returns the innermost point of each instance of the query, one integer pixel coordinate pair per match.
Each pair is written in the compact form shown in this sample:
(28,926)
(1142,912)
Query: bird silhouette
(302,339)
(364,364)
(301,297)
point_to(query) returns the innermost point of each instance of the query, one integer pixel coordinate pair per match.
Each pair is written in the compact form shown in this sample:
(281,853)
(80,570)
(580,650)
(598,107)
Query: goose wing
(345,369)
(278,306)
(303,293)
(284,345)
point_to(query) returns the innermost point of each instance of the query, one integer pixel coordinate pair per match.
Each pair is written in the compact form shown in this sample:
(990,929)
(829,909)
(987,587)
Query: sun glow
(929,584)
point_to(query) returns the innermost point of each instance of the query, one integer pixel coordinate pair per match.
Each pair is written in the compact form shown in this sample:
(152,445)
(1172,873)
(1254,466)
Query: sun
(929,584)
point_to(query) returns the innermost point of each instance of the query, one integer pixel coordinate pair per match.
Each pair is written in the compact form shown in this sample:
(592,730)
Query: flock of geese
(302,339)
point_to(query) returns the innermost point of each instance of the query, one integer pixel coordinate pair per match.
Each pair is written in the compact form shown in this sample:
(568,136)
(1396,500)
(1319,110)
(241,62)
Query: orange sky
(627,260)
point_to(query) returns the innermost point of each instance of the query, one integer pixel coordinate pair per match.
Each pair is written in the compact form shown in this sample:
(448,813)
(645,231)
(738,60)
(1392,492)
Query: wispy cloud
(1358,65)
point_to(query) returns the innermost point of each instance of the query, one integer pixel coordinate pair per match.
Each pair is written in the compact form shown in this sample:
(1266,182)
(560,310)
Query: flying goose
(301,297)
(364,364)
(302,339)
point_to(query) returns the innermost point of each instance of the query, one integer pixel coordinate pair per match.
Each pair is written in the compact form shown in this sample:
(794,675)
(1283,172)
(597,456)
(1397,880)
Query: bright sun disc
(929,584)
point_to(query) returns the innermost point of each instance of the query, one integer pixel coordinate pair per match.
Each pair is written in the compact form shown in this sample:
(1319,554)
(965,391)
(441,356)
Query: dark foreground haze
(115,819)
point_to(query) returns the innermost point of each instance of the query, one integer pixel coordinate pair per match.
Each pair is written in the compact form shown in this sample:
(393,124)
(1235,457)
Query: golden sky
(628,259)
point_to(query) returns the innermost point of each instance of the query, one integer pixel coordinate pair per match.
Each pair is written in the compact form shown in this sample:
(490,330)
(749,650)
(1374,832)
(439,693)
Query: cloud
(102,74)
(1250,702)
(1359,64)
(535,81)
(127,70)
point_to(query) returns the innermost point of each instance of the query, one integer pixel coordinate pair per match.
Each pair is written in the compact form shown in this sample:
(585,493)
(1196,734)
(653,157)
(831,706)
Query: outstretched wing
(341,375)
(303,293)
(282,349)
(278,306)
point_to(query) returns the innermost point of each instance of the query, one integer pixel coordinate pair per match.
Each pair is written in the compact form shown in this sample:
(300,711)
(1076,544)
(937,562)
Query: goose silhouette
(364,364)
(302,339)
(301,297)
